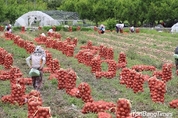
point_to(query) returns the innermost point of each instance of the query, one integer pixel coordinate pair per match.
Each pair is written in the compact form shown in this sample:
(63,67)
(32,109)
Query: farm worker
(119,27)
(102,28)
(176,57)
(132,29)
(8,27)
(43,34)
(37,61)
(10,30)
(50,30)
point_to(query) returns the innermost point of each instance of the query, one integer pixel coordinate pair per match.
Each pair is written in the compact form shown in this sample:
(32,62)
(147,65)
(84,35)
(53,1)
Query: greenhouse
(46,18)
(64,17)
(174,28)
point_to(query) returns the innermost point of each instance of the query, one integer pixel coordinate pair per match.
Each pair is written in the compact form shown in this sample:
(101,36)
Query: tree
(2,10)
(53,4)
(130,12)
(94,10)
(68,5)
(16,8)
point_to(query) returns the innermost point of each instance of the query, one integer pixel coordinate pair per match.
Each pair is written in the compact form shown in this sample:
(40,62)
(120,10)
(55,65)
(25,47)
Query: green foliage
(2,10)
(68,5)
(136,12)
(111,23)
(53,4)
(58,28)
(86,29)
(65,29)
(46,28)
(16,8)
(131,11)
(16,28)
(74,28)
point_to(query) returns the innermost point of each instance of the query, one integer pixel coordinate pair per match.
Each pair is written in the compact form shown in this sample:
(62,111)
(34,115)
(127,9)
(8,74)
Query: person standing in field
(176,57)
(37,61)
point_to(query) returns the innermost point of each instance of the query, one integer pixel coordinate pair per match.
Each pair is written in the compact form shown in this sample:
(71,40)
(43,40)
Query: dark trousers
(176,63)
(132,31)
(37,81)
(102,32)
(117,29)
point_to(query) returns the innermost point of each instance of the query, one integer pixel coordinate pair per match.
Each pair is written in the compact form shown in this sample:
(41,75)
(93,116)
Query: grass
(102,89)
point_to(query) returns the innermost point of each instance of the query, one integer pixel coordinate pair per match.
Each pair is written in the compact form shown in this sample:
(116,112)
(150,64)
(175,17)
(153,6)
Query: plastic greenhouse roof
(62,15)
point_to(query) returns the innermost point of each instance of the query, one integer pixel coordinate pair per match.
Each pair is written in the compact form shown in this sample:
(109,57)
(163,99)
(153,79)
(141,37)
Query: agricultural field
(145,48)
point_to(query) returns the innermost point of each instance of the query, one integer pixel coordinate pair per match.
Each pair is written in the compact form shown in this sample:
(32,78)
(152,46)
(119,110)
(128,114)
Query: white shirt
(120,25)
(10,31)
(50,30)
(132,28)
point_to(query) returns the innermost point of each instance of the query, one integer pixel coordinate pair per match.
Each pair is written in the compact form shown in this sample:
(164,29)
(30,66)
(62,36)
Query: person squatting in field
(102,28)
(132,29)
(37,61)
(8,28)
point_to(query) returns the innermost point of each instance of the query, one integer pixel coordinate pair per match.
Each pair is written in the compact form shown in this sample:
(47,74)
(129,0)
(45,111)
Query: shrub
(16,28)
(74,28)
(46,28)
(58,28)
(86,29)
(111,24)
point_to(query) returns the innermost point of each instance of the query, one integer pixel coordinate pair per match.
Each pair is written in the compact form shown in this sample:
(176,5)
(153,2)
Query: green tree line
(134,12)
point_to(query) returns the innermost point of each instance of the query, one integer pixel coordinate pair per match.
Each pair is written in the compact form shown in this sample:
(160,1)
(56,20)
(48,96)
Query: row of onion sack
(18,88)
(99,107)
(165,74)
(28,45)
(18,94)
(93,56)
(86,56)
(52,41)
(98,65)
(52,66)
(5,58)
(82,91)
(133,79)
